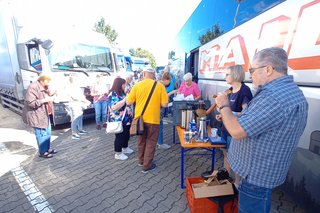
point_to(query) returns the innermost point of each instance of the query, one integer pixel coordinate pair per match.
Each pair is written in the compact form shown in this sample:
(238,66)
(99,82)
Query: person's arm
(33,100)
(229,120)
(164,97)
(119,104)
(130,99)
(172,92)
(197,91)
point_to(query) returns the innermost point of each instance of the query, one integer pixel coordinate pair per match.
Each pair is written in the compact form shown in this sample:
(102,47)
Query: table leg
(212,158)
(182,169)
(174,134)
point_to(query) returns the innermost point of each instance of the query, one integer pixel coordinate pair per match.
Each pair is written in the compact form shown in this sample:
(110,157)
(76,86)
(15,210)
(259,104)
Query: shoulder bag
(137,127)
(116,126)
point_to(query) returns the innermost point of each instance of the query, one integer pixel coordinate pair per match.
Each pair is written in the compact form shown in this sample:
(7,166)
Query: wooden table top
(195,144)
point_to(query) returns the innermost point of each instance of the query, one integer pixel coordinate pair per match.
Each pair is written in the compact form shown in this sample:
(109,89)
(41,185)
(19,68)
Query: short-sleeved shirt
(170,87)
(139,95)
(100,88)
(193,89)
(274,122)
(237,100)
(117,115)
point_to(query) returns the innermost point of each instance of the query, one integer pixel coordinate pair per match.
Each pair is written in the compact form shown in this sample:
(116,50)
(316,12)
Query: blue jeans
(43,137)
(101,111)
(160,137)
(77,123)
(253,198)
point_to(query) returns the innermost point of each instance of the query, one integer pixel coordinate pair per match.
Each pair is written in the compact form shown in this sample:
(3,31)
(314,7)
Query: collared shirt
(274,121)
(139,95)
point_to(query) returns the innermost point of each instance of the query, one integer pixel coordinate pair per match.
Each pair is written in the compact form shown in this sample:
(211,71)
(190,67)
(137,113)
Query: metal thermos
(203,132)
(186,117)
(183,118)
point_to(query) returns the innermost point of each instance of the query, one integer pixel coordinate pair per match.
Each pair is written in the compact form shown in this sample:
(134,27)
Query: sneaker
(163,146)
(98,127)
(104,125)
(127,150)
(140,164)
(75,136)
(120,156)
(82,132)
(145,171)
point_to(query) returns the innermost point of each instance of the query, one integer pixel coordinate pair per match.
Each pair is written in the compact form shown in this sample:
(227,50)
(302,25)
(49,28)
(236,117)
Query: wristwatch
(223,106)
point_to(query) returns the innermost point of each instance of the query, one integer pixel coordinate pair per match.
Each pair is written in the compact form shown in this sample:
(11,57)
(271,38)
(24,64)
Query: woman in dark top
(117,108)
(238,99)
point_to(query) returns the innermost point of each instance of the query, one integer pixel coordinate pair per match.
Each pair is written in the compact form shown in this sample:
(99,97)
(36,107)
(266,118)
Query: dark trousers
(147,144)
(122,139)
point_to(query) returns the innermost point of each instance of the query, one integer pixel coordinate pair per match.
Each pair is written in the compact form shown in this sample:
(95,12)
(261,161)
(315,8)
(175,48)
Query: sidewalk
(85,177)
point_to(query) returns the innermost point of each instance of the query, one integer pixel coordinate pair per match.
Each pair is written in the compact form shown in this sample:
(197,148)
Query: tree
(139,52)
(210,35)
(171,54)
(102,27)
(132,51)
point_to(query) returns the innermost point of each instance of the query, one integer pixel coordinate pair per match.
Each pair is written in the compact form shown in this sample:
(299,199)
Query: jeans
(101,111)
(253,198)
(77,123)
(160,138)
(43,137)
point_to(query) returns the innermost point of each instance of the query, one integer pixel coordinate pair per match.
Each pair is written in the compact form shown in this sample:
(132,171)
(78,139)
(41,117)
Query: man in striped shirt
(267,132)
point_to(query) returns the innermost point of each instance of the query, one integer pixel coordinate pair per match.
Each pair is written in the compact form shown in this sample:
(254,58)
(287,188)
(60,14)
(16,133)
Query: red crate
(203,205)
(199,205)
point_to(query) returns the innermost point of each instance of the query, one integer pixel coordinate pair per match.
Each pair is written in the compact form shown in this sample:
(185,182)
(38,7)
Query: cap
(149,70)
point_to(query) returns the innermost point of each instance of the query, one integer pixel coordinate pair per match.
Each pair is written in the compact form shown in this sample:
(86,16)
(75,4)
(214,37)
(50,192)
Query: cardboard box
(212,187)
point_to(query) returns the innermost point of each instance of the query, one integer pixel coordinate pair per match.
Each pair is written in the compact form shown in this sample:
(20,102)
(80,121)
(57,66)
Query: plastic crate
(203,205)
(199,205)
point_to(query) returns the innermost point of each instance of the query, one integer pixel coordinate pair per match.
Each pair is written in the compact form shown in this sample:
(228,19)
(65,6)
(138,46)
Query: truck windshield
(81,56)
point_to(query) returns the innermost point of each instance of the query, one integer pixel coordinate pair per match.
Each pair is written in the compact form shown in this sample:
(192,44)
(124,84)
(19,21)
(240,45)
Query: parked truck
(247,27)
(26,52)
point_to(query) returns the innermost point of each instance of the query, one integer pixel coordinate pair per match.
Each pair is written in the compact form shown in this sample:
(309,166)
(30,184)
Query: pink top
(193,89)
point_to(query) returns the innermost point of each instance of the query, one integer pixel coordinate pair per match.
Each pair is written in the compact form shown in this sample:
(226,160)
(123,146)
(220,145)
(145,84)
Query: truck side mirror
(47,44)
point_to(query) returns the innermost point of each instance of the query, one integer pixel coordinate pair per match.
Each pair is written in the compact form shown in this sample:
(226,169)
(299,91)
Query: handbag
(137,127)
(116,126)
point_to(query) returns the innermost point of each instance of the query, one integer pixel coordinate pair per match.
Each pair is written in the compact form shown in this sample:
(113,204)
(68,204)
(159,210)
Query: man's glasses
(252,70)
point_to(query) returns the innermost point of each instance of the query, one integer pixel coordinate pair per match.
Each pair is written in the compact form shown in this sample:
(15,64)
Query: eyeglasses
(252,70)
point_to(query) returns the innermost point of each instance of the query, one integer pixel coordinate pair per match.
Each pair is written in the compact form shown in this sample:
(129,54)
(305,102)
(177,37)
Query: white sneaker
(120,156)
(163,146)
(127,150)
(75,136)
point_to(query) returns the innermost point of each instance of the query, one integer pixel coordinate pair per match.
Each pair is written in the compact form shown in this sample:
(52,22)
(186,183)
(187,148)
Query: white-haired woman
(239,98)
(188,87)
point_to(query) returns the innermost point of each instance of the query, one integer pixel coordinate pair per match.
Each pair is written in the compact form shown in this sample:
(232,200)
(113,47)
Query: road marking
(35,197)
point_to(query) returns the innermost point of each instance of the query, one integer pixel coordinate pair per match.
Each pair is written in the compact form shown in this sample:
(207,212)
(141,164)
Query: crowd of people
(261,131)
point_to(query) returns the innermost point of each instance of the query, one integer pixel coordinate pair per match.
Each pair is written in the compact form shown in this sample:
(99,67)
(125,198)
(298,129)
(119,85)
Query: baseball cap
(150,70)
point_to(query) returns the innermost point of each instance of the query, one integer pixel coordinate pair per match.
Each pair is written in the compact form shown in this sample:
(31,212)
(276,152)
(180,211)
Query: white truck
(291,25)
(25,53)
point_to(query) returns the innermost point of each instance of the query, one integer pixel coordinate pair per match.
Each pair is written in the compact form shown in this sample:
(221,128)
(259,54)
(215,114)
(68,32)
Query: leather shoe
(46,155)
(52,151)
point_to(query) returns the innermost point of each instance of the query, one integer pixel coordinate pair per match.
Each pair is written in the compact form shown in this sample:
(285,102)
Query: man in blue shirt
(267,132)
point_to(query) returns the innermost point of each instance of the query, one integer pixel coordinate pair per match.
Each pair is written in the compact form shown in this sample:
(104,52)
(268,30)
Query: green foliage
(142,53)
(132,51)
(171,54)
(211,34)
(104,28)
